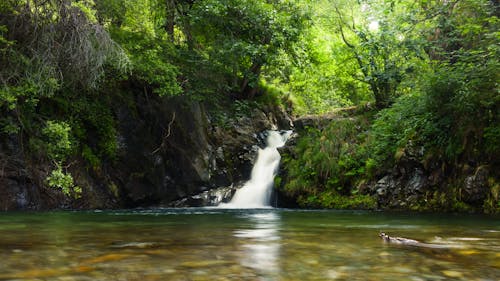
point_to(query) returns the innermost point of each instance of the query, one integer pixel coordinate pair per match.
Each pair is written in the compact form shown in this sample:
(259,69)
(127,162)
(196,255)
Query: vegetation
(327,166)
(428,71)
(433,66)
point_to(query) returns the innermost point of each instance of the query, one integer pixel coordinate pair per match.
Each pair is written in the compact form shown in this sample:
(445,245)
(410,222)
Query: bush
(332,200)
(452,114)
(64,182)
(57,137)
(326,166)
(393,128)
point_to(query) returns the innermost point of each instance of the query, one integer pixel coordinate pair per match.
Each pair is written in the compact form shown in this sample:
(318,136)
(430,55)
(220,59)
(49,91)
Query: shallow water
(266,244)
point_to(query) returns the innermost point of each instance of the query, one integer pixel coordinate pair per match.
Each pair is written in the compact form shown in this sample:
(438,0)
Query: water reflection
(245,245)
(260,243)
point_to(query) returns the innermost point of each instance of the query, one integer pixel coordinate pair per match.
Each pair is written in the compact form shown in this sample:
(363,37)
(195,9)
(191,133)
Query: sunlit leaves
(243,37)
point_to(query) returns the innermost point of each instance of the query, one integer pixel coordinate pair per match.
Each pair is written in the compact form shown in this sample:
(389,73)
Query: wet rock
(417,182)
(383,185)
(212,197)
(476,186)
(382,191)
(401,189)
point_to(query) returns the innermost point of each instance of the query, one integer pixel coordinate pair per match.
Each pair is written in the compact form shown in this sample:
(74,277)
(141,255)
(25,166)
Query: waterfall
(256,193)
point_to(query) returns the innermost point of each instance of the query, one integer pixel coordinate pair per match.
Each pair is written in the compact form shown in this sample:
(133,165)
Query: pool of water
(265,244)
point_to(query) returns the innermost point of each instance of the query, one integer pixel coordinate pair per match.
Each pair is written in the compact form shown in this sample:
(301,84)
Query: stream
(250,244)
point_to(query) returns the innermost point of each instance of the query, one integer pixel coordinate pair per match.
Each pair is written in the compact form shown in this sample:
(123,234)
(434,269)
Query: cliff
(169,149)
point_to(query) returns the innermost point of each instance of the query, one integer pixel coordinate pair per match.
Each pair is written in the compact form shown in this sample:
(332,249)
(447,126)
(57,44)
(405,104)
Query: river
(260,244)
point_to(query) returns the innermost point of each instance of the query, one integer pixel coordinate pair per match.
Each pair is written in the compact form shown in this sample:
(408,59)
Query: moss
(270,95)
(443,201)
(332,200)
(277,181)
(492,203)
(113,188)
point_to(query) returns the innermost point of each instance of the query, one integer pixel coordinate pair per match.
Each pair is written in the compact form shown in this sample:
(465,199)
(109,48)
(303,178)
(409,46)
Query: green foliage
(8,126)
(492,139)
(4,43)
(326,166)
(64,182)
(243,108)
(57,46)
(272,96)
(242,38)
(57,139)
(96,128)
(318,78)
(150,63)
(492,203)
(432,65)
(453,110)
(393,129)
(58,147)
(376,46)
(456,109)
(443,201)
(90,157)
(332,200)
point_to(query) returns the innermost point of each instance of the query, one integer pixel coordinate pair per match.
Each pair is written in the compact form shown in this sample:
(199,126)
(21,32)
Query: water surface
(265,244)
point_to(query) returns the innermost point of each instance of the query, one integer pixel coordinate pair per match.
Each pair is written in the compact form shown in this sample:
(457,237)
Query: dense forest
(409,89)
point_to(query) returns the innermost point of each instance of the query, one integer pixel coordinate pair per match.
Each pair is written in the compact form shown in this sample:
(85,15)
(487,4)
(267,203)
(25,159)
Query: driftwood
(410,242)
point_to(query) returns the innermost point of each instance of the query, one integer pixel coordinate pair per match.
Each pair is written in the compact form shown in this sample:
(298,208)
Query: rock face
(165,152)
(412,185)
(476,186)
(19,184)
(169,150)
(179,150)
(405,184)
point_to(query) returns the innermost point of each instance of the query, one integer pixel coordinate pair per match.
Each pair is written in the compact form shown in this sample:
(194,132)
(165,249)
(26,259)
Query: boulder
(212,197)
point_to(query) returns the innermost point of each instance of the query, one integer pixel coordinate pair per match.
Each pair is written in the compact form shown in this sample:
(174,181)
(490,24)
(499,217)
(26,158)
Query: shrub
(326,166)
(57,137)
(64,182)
(332,200)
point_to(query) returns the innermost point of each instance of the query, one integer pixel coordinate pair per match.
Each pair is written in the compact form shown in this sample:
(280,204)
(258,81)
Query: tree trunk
(170,18)
(246,90)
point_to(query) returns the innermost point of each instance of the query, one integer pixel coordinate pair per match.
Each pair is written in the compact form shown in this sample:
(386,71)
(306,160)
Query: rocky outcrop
(475,186)
(169,149)
(416,180)
(20,186)
(405,184)
(23,182)
(410,185)
(212,197)
(176,150)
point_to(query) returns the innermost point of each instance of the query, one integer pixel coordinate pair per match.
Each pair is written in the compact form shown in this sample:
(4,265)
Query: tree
(454,108)
(242,37)
(381,41)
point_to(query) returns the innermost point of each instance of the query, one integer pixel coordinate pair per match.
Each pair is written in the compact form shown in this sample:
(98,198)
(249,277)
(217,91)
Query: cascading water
(256,193)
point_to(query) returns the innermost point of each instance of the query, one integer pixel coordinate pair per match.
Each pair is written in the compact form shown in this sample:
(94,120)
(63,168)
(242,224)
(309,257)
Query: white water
(256,193)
